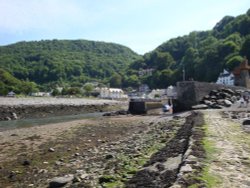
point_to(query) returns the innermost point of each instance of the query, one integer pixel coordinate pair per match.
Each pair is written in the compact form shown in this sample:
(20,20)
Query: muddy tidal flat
(36,107)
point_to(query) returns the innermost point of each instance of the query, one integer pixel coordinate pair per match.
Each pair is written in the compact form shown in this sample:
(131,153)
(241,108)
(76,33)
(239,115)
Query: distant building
(112,93)
(241,74)
(226,78)
(41,94)
(146,72)
(144,88)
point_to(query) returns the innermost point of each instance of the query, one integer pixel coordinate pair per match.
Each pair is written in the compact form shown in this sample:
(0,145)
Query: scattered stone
(43,171)
(246,122)
(60,181)
(200,106)
(7,118)
(106,179)
(186,168)
(58,163)
(77,154)
(77,179)
(14,134)
(109,156)
(26,162)
(227,103)
(83,176)
(51,149)
(14,115)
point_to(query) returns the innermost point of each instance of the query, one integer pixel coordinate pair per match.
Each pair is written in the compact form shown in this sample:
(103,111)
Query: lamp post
(183,73)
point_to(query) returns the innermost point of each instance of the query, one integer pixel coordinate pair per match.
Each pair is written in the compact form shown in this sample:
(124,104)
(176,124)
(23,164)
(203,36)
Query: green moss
(209,179)
(116,184)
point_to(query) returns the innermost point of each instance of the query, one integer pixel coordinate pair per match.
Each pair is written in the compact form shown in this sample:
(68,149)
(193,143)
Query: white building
(225,78)
(41,94)
(112,93)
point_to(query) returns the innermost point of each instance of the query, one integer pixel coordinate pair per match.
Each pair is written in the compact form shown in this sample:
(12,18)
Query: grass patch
(206,177)
(209,179)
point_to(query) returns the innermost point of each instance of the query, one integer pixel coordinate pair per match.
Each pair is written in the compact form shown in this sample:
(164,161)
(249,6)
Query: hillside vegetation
(65,62)
(202,54)
(9,83)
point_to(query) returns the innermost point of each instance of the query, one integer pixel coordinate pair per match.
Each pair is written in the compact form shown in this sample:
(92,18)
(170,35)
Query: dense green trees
(203,55)
(9,83)
(60,62)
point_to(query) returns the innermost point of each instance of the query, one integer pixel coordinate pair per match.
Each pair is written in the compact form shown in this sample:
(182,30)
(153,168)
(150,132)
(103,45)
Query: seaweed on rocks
(163,167)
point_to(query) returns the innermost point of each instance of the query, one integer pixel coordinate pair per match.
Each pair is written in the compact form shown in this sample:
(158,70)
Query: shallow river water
(13,124)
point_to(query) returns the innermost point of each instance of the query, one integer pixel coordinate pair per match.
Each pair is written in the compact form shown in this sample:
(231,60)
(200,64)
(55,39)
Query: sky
(141,25)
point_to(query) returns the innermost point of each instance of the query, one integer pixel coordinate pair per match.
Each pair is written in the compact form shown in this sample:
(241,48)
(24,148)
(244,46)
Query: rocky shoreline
(28,108)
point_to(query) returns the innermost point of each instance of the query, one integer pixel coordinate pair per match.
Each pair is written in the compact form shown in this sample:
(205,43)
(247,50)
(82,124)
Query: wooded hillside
(65,62)
(202,54)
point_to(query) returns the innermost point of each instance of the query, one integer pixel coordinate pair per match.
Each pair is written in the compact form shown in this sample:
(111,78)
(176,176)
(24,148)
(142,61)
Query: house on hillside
(11,94)
(226,78)
(145,72)
(241,74)
(112,93)
(144,88)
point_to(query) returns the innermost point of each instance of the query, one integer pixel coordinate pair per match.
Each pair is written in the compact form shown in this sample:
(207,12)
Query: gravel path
(231,163)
